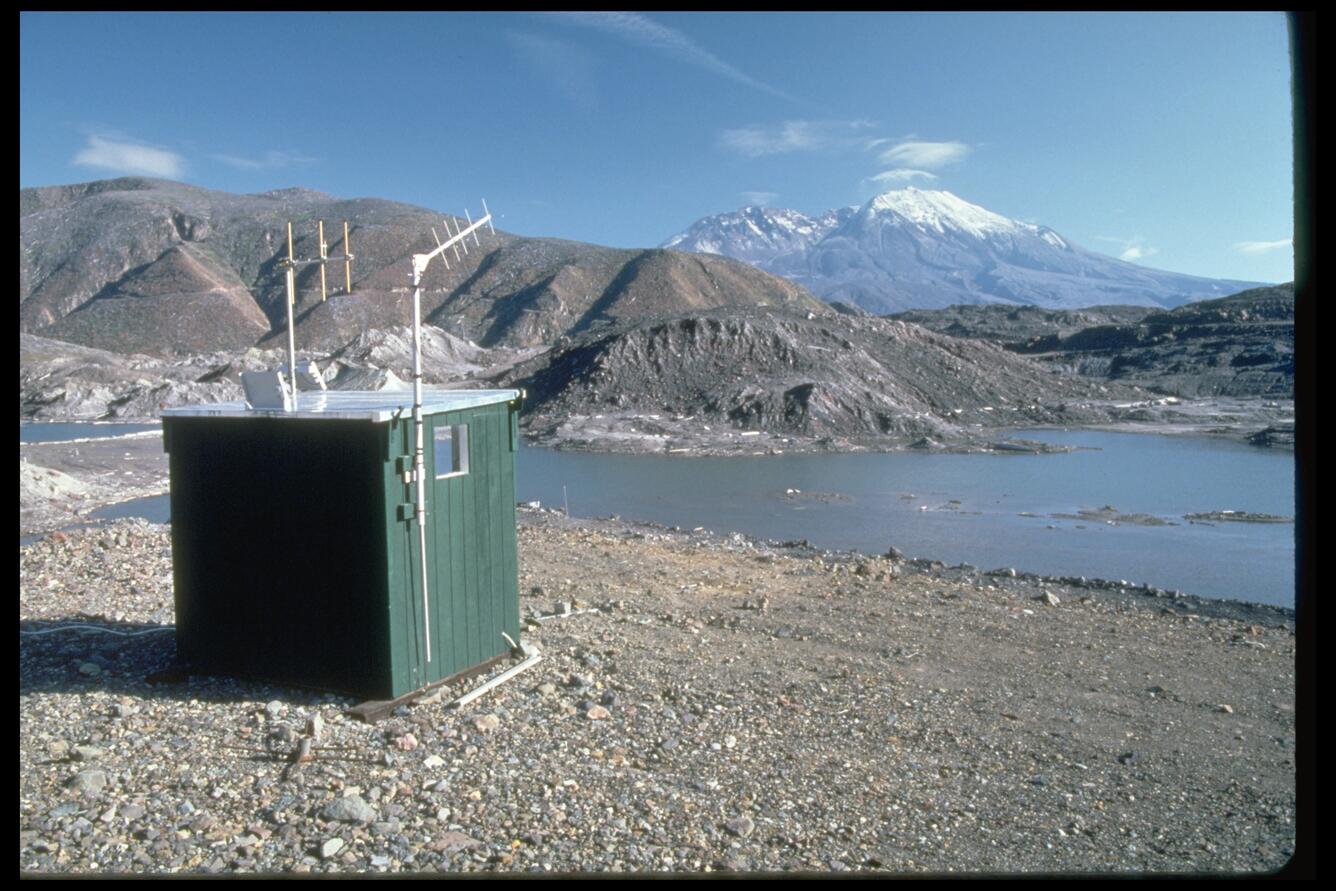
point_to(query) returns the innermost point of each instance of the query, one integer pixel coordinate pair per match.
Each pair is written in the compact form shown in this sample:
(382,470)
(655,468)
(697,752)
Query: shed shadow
(56,656)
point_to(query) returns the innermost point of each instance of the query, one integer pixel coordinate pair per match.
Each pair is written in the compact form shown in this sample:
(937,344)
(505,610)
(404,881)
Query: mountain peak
(941,211)
(925,248)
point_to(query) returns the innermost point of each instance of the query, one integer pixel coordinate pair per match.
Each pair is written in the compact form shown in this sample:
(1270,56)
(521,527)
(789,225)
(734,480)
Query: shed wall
(278,550)
(296,558)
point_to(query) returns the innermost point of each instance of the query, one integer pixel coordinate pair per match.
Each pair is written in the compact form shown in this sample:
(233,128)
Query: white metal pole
(420,264)
(292,339)
(533,657)
(347,261)
(419,469)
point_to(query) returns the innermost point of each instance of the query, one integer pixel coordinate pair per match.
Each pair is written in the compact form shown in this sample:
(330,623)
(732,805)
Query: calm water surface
(972,508)
(57,431)
(988,510)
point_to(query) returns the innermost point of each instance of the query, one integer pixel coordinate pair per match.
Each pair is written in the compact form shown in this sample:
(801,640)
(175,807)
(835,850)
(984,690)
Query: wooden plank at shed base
(374,710)
(176,673)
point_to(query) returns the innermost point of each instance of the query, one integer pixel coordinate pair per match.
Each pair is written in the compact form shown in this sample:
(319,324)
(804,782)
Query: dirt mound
(831,375)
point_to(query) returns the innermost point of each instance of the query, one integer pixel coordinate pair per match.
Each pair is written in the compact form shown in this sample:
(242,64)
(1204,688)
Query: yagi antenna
(446,224)
(438,244)
(420,264)
(324,258)
(463,242)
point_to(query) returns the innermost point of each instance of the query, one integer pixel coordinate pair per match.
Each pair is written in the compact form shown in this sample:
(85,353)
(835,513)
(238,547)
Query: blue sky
(1161,138)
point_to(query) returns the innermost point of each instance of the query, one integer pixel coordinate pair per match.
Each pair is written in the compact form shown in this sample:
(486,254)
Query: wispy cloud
(1261,247)
(646,32)
(792,136)
(901,175)
(270,160)
(123,156)
(758,199)
(1133,249)
(917,154)
(562,65)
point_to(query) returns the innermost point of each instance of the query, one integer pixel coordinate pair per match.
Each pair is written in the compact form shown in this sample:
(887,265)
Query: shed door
(466,624)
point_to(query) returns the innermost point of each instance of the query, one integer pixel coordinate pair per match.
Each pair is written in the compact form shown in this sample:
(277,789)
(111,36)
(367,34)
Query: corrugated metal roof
(363,405)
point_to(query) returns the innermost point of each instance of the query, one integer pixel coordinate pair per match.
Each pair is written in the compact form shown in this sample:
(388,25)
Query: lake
(58,431)
(988,510)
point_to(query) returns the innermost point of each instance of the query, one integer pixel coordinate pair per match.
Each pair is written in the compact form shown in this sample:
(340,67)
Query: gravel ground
(711,703)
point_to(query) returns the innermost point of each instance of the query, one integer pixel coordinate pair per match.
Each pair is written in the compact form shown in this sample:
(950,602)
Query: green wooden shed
(295,549)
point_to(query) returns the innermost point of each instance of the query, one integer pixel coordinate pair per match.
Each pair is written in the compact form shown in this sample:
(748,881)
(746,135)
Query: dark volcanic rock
(1276,435)
(1019,328)
(1242,345)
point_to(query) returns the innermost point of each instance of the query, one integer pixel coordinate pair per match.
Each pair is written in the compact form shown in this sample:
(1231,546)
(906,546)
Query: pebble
(331,848)
(486,723)
(597,713)
(88,782)
(740,826)
(453,840)
(349,809)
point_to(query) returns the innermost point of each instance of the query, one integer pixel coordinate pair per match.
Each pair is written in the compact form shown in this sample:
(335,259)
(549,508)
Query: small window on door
(452,450)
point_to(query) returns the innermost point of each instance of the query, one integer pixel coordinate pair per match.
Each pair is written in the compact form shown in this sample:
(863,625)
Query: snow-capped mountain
(920,249)
(758,235)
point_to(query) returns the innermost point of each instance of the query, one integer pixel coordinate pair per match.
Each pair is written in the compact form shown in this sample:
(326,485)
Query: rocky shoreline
(705,703)
(61,483)
(636,432)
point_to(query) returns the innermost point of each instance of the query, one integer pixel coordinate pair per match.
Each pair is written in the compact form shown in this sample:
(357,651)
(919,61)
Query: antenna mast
(420,264)
(290,264)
